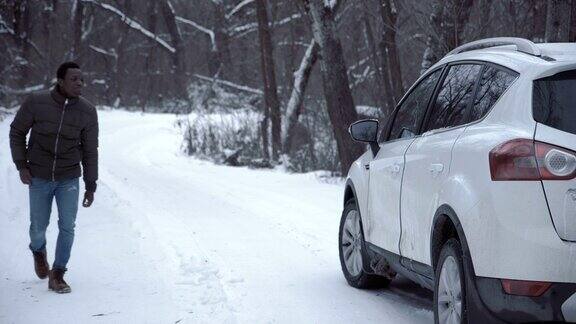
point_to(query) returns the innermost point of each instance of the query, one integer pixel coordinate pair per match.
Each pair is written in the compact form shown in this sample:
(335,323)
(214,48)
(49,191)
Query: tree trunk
(389,13)
(558,21)
(461,10)
(77,21)
(295,104)
(220,54)
(447,21)
(485,20)
(22,31)
(179,66)
(572,19)
(433,52)
(151,12)
(572,37)
(339,101)
(539,12)
(383,94)
(264,132)
(269,76)
(512,24)
(48,17)
(120,72)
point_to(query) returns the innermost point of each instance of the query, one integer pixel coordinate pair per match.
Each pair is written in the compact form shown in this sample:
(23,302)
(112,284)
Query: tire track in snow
(194,280)
(246,239)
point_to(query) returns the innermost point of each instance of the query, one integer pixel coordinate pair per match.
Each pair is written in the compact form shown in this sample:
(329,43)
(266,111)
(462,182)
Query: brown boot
(41,264)
(56,282)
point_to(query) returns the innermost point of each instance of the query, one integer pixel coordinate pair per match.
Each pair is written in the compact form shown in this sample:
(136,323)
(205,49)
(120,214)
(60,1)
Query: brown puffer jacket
(64,134)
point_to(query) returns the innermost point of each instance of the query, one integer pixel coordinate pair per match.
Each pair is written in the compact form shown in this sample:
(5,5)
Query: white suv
(470,187)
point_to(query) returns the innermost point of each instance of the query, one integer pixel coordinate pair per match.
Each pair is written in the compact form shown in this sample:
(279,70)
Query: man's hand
(88,199)
(25,176)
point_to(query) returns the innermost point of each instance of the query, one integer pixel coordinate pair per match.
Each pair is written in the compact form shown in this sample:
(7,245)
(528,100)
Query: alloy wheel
(352,243)
(450,293)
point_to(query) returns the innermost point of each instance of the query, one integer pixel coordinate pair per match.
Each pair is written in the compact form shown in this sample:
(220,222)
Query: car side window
(493,83)
(414,107)
(451,104)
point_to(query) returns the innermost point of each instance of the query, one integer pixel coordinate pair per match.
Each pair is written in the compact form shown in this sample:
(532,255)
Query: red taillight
(525,159)
(525,288)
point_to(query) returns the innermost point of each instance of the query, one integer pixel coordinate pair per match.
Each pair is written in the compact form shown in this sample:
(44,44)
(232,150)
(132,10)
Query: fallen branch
(230,84)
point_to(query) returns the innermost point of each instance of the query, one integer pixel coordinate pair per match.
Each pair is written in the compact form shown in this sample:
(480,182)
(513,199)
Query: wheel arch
(349,192)
(446,225)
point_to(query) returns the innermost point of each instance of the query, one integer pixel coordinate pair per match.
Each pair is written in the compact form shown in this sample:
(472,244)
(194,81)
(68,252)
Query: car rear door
(428,159)
(382,227)
(554,109)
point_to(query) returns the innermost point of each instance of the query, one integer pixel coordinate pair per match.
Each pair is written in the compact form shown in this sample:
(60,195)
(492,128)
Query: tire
(449,286)
(351,245)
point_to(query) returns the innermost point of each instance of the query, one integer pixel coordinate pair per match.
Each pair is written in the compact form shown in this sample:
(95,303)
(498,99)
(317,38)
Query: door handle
(394,169)
(436,168)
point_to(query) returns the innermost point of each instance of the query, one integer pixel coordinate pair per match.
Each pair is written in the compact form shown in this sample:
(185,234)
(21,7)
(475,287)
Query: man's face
(72,83)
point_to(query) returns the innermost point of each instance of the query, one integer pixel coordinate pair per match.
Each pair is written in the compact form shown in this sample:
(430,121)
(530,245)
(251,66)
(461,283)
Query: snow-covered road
(172,239)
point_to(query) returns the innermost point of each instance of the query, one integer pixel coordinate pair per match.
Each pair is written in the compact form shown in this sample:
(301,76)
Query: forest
(262,82)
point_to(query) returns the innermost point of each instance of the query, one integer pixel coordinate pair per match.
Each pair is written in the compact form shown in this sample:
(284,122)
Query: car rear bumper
(488,301)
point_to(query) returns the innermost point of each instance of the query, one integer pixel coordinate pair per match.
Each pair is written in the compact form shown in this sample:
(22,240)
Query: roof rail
(522,45)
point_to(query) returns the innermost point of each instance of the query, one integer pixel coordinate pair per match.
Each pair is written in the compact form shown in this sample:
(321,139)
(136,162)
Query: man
(64,134)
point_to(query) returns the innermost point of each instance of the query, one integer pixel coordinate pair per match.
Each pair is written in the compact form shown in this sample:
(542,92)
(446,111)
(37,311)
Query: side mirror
(366,130)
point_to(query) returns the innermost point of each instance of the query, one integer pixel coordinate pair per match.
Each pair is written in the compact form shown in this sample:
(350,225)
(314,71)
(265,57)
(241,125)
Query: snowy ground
(171,239)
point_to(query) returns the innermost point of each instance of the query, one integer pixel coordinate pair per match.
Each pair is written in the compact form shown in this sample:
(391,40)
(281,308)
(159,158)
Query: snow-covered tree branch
(201,28)
(131,23)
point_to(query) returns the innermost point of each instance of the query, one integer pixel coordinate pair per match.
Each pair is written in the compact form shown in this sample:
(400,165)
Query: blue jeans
(42,193)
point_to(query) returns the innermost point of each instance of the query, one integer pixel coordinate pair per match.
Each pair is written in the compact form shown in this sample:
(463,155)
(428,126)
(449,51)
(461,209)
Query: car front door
(382,227)
(427,160)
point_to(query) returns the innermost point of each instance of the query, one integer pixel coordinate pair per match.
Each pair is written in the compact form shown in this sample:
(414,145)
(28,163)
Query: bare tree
(339,101)
(22,31)
(295,104)
(179,66)
(538,12)
(77,22)
(271,103)
(151,14)
(558,21)
(48,18)
(384,89)
(389,48)
(572,37)
(433,50)
(447,24)
(220,59)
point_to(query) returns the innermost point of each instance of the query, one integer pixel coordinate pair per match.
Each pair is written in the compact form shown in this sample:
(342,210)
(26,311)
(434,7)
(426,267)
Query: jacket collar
(60,98)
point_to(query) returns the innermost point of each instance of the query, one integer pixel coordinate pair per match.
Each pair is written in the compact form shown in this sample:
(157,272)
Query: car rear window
(554,101)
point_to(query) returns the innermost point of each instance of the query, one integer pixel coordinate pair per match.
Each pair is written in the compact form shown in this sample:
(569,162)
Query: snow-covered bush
(222,126)
(232,138)
(225,127)
(213,98)
(313,146)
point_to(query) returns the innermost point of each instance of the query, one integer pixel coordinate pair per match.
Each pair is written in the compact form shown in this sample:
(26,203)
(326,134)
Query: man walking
(64,133)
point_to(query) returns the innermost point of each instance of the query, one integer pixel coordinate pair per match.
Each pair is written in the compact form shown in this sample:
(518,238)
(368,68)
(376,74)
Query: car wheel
(352,248)
(449,288)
